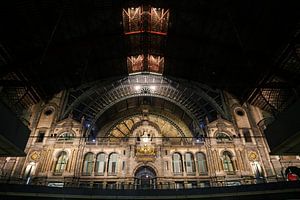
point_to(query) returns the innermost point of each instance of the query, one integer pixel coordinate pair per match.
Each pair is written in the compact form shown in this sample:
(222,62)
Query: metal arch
(122,89)
(191,84)
(129,79)
(90,91)
(136,95)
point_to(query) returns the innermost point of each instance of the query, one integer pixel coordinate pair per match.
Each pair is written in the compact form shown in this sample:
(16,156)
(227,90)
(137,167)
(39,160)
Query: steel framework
(196,100)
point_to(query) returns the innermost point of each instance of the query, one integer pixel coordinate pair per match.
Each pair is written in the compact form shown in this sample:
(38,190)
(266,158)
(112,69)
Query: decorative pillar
(44,160)
(209,160)
(74,156)
(217,160)
(239,161)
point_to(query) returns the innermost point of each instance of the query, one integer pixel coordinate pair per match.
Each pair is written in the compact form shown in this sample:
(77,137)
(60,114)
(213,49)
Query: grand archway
(192,101)
(145,178)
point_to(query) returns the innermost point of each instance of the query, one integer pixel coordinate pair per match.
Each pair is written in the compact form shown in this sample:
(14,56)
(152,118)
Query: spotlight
(153,87)
(137,87)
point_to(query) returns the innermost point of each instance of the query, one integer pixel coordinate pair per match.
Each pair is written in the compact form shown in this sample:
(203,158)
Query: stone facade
(152,153)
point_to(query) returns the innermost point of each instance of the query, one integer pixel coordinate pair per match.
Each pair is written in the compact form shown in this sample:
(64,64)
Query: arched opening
(61,163)
(257,171)
(29,171)
(228,163)
(201,163)
(145,178)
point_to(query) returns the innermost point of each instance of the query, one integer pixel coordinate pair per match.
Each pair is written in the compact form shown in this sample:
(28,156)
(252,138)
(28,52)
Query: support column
(239,161)
(209,162)
(49,161)
(45,161)
(74,156)
(217,160)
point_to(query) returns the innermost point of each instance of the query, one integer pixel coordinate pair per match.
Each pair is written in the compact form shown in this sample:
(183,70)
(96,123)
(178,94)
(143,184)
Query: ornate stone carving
(35,156)
(252,156)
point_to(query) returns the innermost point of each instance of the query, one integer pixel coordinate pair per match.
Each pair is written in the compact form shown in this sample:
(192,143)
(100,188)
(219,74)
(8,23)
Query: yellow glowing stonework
(153,140)
(145,150)
(35,156)
(252,156)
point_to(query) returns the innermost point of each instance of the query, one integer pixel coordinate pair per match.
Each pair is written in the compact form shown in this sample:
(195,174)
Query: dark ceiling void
(249,48)
(62,44)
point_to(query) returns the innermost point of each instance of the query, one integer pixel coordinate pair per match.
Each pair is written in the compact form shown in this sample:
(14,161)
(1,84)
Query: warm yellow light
(137,87)
(153,87)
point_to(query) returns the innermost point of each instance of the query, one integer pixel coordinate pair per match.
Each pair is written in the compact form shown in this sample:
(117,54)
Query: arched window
(223,137)
(227,162)
(88,164)
(66,136)
(201,163)
(29,171)
(100,164)
(112,164)
(189,163)
(177,163)
(61,163)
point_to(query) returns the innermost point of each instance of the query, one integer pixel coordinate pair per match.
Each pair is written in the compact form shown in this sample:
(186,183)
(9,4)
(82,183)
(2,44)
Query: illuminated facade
(146,130)
(142,139)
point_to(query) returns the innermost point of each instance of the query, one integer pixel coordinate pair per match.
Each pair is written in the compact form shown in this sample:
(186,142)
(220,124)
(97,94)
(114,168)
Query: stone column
(209,160)
(50,161)
(217,161)
(239,161)
(74,159)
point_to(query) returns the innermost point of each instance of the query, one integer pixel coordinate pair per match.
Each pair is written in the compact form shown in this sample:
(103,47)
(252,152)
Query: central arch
(145,178)
(196,100)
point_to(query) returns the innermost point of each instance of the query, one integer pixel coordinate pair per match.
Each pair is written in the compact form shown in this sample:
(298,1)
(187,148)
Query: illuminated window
(135,63)
(88,164)
(100,164)
(153,64)
(223,137)
(112,164)
(177,163)
(145,19)
(132,20)
(189,163)
(159,20)
(66,136)
(141,19)
(61,163)
(227,162)
(29,171)
(201,163)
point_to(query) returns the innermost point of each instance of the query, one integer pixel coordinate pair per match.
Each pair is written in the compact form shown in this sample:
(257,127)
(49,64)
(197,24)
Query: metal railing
(119,184)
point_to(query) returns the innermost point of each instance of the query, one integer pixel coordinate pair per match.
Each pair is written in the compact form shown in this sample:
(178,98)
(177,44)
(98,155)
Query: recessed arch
(160,122)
